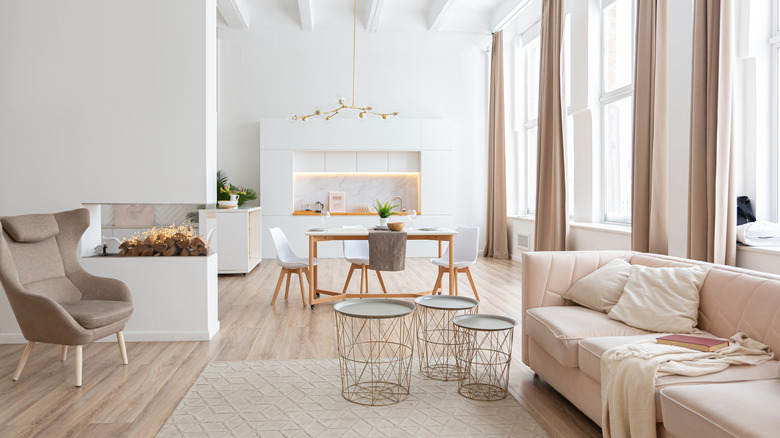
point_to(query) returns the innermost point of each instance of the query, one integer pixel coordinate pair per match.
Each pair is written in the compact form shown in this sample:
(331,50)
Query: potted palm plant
(384,211)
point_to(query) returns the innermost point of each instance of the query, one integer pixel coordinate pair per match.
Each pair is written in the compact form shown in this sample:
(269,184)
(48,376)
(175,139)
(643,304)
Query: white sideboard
(239,239)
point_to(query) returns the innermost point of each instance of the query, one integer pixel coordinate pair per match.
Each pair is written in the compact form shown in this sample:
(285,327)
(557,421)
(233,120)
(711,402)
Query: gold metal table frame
(338,234)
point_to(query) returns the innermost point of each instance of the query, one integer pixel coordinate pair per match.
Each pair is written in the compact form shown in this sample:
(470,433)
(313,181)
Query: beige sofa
(563,344)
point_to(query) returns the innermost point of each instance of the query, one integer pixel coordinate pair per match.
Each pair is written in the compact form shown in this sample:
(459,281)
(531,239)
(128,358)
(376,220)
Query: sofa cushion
(602,288)
(558,329)
(744,409)
(92,314)
(661,299)
(591,350)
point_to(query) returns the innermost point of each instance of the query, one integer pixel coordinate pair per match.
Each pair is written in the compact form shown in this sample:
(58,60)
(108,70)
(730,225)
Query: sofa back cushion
(733,300)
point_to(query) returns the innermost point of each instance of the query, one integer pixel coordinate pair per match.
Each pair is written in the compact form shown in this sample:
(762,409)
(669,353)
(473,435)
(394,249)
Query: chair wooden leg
(23,360)
(365,275)
(456,282)
(300,279)
(78,365)
(278,286)
(437,285)
(287,287)
(120,340)
(349,277)
(64,355)
(382,282)
(471,280)
(362,278)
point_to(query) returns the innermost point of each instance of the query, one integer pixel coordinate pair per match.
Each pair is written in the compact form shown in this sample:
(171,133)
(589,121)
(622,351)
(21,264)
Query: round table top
(484,322)
(446,302)
(375,308)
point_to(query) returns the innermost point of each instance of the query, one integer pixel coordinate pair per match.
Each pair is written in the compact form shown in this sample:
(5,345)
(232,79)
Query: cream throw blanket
(628,375)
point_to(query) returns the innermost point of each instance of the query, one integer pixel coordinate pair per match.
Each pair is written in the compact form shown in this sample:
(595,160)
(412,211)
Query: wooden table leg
(312,269)
(439,248)
(451,250)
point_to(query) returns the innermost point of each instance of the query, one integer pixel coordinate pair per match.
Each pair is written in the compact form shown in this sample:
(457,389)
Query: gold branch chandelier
(342,102)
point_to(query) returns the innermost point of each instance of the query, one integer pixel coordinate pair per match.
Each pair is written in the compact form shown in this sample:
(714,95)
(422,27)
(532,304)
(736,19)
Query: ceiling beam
(304,8)
(374,15)
(439,12)
(505,12)
(232,13)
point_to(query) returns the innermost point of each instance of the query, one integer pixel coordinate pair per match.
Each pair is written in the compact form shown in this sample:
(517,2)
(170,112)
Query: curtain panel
(496,245)
(650,191)
(711,200)
(552,220)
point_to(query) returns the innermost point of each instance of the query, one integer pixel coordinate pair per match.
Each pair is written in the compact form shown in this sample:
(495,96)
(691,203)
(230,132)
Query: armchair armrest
(100,288)
(549,274)
(44,320)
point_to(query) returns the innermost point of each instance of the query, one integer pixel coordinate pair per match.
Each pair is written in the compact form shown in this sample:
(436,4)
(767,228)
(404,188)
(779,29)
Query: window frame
(606,98)
(774,51)
(527,38)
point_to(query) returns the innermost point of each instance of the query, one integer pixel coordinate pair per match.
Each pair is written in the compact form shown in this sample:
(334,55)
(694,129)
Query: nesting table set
(376,341)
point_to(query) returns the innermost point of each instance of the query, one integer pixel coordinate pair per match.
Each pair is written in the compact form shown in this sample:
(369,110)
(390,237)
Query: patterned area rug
(302,398)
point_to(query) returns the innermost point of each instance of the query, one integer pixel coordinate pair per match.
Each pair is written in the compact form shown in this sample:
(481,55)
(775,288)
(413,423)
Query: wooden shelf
(351,213)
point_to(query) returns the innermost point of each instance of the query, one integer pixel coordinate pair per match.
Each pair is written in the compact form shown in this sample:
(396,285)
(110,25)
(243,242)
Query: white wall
(275,69)
(105,101)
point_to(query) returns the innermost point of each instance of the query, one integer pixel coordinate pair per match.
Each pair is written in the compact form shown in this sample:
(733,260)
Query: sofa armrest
(548,274)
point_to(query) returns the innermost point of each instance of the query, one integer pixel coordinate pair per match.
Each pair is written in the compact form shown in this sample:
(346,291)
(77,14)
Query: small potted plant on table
(384,211)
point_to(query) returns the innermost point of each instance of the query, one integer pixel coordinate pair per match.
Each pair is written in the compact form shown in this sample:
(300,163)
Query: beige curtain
(497,242)
(711,201)
(649,196)
(552,221)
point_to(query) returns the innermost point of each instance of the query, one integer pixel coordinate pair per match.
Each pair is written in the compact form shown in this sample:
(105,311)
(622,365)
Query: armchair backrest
(38,254)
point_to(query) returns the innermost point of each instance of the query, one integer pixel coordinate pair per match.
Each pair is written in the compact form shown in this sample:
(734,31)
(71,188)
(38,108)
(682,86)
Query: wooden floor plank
(136,399)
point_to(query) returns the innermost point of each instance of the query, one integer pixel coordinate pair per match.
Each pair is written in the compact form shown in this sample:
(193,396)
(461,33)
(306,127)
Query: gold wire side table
(375,339)
(436,334)
(483,355)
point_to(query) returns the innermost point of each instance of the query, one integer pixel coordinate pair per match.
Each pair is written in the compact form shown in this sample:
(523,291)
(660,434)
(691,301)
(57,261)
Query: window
(616,107)
(774,42)
(531,56)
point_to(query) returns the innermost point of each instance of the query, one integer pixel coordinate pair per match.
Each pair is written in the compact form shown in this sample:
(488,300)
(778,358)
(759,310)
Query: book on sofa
(694,342)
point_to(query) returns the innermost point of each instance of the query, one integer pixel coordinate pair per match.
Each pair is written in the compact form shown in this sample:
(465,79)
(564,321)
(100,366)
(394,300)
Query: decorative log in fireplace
(169,241)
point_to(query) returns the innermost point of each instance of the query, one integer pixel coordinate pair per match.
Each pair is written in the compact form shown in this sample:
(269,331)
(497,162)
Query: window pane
(532,65)
(567,57)
(530,169)
(617,160)
(570,164)
(617,45)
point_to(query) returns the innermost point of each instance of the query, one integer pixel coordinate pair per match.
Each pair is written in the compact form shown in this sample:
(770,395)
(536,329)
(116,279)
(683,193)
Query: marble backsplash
(359,189)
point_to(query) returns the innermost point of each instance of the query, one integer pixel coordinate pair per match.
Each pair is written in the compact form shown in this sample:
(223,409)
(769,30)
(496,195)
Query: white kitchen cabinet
(404,161)
(239,239)
(338,161)
(371,161)
(309,161)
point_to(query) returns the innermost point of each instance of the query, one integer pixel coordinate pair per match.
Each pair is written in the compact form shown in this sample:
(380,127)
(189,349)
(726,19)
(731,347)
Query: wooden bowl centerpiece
(395,226)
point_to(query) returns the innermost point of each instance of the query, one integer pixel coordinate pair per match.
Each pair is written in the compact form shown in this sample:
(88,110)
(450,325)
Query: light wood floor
(135,400)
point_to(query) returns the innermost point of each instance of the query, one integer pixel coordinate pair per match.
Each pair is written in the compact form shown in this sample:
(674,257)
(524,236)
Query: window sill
(611,228)
(770,250)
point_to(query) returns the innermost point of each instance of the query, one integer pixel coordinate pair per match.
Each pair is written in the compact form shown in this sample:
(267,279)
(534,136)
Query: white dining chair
(290,263)
(466,244)
(356,252)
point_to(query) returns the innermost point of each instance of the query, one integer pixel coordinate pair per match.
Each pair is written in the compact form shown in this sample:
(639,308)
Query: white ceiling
(482,16)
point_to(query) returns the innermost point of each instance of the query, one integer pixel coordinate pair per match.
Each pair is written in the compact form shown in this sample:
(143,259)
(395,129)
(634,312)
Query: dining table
(317,295)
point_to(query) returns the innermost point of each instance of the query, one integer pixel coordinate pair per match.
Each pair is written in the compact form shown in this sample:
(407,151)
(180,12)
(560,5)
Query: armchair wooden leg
(78,365)
(64,353)
(120,340)
(382,282)
(23,360)
(471,280)
(349,277)
(278,286)
(300,279)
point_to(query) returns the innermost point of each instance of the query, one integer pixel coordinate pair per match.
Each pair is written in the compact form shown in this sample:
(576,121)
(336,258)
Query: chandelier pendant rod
(354,38)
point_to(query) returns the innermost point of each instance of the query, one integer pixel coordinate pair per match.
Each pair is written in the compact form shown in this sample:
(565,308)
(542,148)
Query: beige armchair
(54,299)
